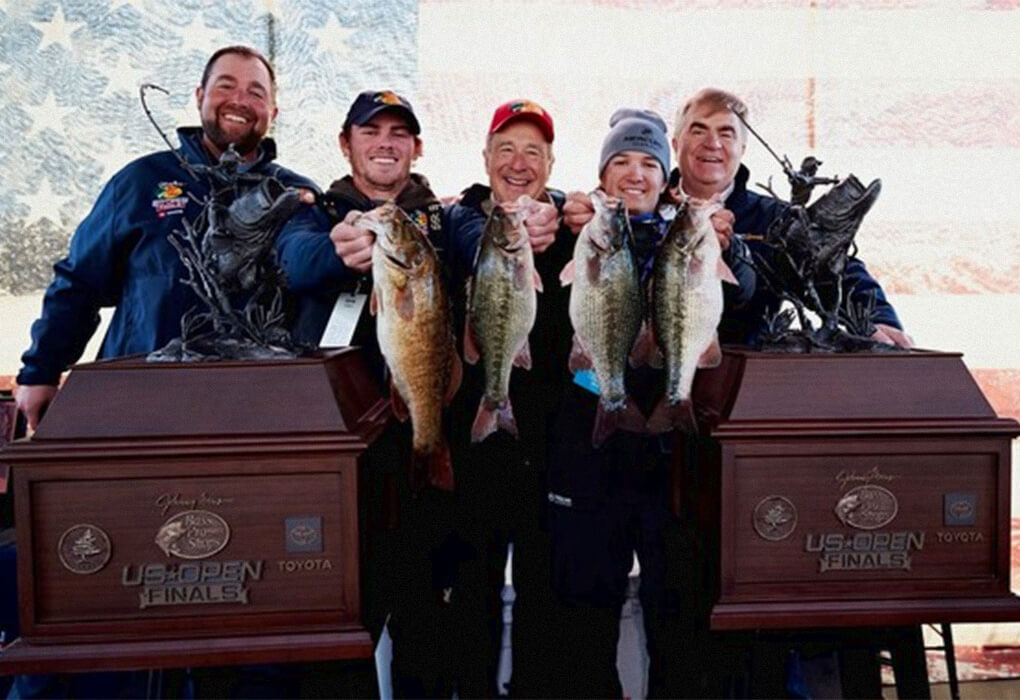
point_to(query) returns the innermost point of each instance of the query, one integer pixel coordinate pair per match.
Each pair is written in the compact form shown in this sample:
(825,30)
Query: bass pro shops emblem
(867,507)
(193,534)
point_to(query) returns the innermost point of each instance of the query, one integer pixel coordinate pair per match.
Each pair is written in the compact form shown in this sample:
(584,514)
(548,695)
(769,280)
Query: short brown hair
(240,50)
(715,97)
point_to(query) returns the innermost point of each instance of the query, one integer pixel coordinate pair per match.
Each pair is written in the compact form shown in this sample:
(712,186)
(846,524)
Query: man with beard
(501,478)
(121,255)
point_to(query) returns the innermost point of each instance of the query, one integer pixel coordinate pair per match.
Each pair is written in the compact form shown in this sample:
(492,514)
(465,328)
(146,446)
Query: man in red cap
(501,479)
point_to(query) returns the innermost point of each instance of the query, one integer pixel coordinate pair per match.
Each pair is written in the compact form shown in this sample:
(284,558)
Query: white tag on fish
(343,320)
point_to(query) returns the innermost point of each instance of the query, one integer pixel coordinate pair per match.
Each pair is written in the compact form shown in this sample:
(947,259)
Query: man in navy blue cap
(410,554)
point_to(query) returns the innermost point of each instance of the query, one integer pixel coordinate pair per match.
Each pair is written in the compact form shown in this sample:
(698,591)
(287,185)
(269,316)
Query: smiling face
(518,160)
(708,148)
(236,104)
(381,154)
(637,178)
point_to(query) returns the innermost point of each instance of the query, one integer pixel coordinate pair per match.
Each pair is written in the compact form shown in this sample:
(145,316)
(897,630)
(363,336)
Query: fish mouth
(397,261)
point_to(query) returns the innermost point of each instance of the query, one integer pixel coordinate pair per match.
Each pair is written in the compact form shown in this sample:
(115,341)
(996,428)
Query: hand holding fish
(722,221)
(541,223)
(353,243)
(578,210)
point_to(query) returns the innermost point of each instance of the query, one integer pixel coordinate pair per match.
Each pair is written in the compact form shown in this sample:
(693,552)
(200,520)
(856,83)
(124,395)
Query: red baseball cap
(523,109)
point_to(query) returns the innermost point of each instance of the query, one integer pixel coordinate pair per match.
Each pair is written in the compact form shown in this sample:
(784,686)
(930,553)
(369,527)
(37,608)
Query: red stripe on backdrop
(1002,389)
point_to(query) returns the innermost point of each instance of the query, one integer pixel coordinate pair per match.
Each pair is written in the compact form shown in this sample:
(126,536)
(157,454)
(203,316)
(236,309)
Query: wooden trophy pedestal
(854,490)
(193,514)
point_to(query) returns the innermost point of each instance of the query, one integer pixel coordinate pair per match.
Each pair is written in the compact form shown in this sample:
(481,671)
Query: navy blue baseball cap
(371,102)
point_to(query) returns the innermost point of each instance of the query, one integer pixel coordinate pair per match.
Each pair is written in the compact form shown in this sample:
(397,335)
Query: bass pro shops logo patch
(169,198)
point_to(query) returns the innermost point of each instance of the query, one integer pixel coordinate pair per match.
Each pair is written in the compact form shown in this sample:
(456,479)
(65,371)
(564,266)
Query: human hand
(541,222)
(722,221)
(32,400)
(577,211)
(353,243)
(892,336)
(305,195)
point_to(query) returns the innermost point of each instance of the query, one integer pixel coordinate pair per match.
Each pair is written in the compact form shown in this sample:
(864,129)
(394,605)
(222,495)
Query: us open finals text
(864,550)
(192,582)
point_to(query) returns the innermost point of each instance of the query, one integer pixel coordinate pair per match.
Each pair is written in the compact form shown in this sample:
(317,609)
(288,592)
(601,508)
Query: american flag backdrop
(924,94)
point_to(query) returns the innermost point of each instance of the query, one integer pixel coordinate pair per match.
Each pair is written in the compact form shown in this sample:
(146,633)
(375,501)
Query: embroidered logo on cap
(387,97)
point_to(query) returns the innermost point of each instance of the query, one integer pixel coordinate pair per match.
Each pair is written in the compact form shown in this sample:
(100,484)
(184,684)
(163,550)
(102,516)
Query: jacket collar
(416,194)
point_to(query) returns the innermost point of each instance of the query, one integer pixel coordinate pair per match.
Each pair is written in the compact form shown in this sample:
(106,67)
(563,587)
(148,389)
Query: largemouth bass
(501,310)
(686,305)
(606,309)
(414,326)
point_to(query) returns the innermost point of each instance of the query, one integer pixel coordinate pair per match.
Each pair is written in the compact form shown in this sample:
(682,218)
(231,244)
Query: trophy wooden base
(852,490)
(22,657)
(185,514)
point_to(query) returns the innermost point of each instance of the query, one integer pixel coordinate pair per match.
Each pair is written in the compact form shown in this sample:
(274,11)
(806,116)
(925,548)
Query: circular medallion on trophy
(774,518)
(193,534)
(867,507)
(84,549)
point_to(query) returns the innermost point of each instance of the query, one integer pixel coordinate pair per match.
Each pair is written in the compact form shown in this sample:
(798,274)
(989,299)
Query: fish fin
(567,274)
(523,359)
(374,303)
(726,274)
(471,352)
(579,357)
(631,418)
(538,281)
(521,280)
(397,402)
(456,375)
(605,425)
(593,268)
(665,417)
(441,468)
(405,303)
(491,417)
(608,422)
(485,422)
(712,357)
(644,348)
(435,468)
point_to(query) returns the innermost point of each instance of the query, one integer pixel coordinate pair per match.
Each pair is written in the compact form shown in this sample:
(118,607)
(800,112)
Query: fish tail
(667,416)
(608,421)
(435,467)
(491,417)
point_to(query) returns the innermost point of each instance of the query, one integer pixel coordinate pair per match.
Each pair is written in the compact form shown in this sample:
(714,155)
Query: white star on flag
(47,114)
(43,203)
(57,31)
(333,36)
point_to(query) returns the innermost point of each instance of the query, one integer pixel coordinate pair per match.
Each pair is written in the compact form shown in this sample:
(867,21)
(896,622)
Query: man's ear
(419,149)
(345,145)
(199,94)
(676,146)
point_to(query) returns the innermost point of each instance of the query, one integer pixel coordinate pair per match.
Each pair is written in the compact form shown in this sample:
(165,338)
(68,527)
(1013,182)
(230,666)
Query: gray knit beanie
(636,130)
